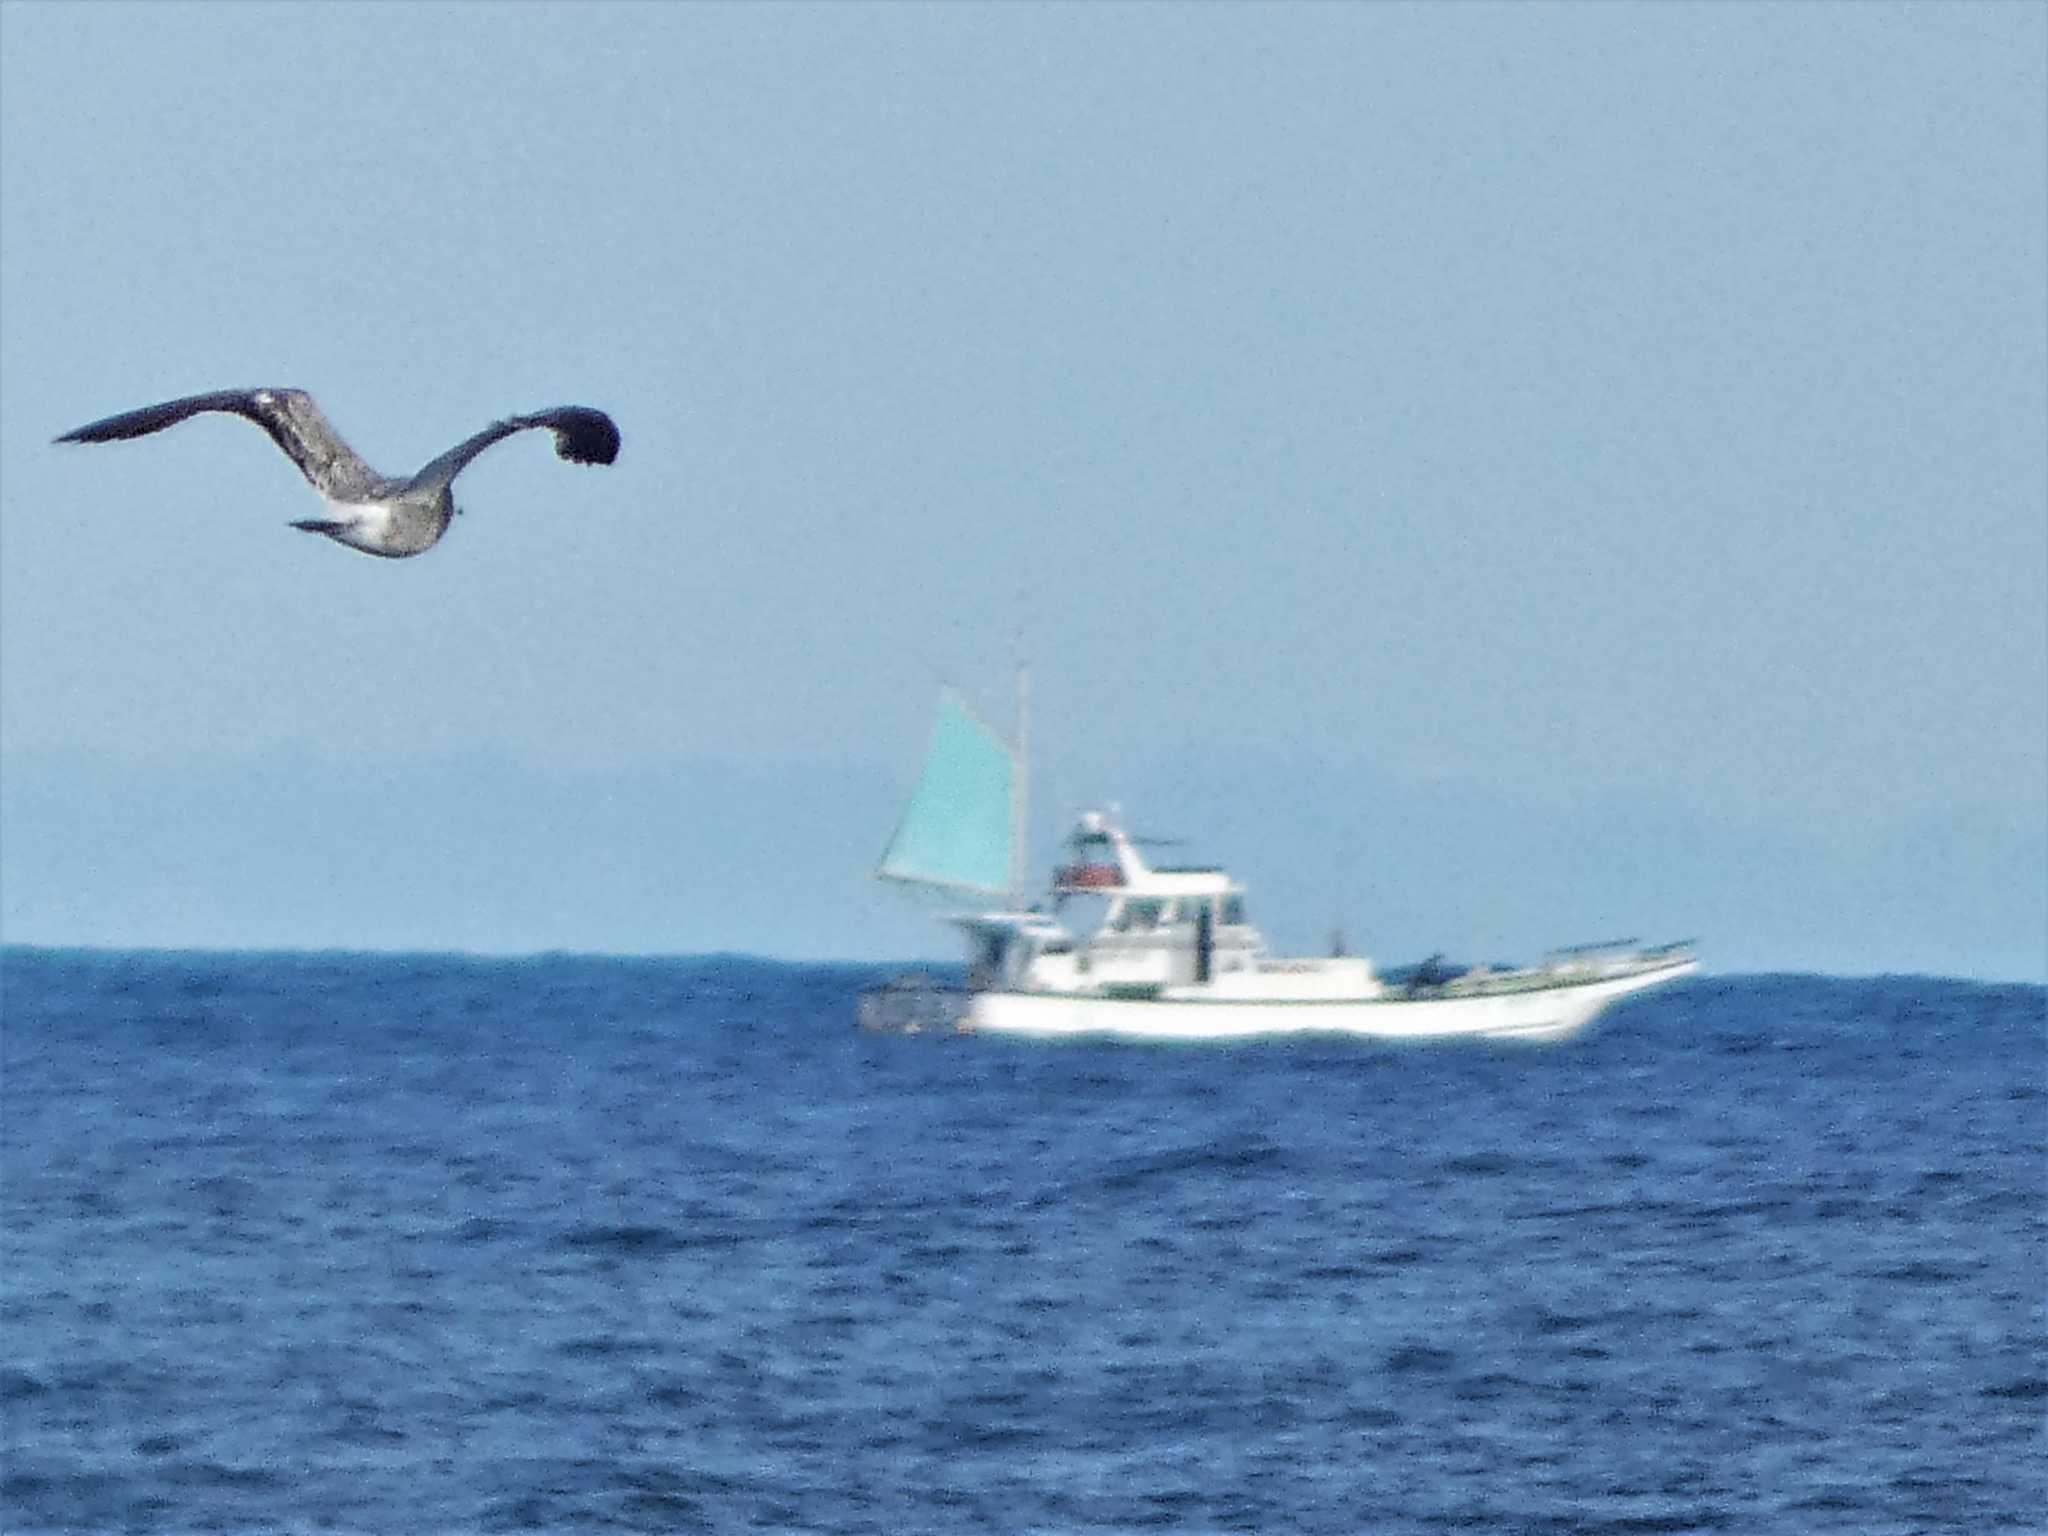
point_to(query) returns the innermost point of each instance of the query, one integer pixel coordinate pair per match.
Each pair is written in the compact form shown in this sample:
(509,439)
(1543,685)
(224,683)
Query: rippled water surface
(412,1245)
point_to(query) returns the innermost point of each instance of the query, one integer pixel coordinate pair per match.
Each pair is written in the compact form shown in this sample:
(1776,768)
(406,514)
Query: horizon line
(672,957)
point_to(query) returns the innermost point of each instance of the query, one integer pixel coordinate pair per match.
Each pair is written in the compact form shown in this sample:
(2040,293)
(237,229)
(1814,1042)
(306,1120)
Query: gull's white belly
(368,520)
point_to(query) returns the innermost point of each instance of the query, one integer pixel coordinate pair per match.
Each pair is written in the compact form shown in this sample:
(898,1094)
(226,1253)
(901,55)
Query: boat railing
(1614,958)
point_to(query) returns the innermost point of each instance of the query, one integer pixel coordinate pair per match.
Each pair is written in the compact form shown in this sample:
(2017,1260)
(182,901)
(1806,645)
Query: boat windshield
(1138,915)
(1232,915)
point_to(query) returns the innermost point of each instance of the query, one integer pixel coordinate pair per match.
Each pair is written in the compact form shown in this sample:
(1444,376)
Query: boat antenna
(1020,782)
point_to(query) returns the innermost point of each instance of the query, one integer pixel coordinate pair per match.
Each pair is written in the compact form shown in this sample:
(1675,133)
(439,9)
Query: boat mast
(1020,786)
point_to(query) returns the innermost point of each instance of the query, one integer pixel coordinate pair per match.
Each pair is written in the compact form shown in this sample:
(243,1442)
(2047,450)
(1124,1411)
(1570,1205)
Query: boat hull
(1549,1012)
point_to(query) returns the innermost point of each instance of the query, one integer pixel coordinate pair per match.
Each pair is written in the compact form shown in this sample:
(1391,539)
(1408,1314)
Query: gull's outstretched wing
(582,436)
(291,418)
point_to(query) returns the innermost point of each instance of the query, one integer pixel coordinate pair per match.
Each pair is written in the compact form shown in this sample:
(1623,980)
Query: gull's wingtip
(585,435)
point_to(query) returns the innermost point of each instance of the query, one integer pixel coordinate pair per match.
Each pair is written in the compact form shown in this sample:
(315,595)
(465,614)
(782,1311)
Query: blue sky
(1491,473)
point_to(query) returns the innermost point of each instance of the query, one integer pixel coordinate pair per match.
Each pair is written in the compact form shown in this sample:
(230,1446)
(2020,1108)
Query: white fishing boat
(1169,953)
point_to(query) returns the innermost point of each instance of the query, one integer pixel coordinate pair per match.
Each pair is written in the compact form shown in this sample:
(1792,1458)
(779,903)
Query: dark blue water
(432,1245)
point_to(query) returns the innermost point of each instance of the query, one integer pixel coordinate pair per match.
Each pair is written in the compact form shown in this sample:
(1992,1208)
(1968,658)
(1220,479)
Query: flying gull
(368,511)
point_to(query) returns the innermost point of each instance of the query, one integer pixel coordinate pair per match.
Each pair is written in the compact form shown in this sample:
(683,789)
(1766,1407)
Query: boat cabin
(1118,926)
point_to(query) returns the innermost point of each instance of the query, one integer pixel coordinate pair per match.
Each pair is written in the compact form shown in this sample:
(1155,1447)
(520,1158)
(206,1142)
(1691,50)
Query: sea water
(329,1243)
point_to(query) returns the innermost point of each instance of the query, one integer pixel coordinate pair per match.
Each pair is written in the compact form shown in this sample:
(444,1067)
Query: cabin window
(1139,916)
(1191,908)
(1233,911)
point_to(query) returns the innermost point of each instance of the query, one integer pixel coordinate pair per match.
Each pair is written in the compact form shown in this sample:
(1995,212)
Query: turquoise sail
(956,830)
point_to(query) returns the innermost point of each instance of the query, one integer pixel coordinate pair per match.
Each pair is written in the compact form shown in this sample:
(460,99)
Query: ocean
(425,1244)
